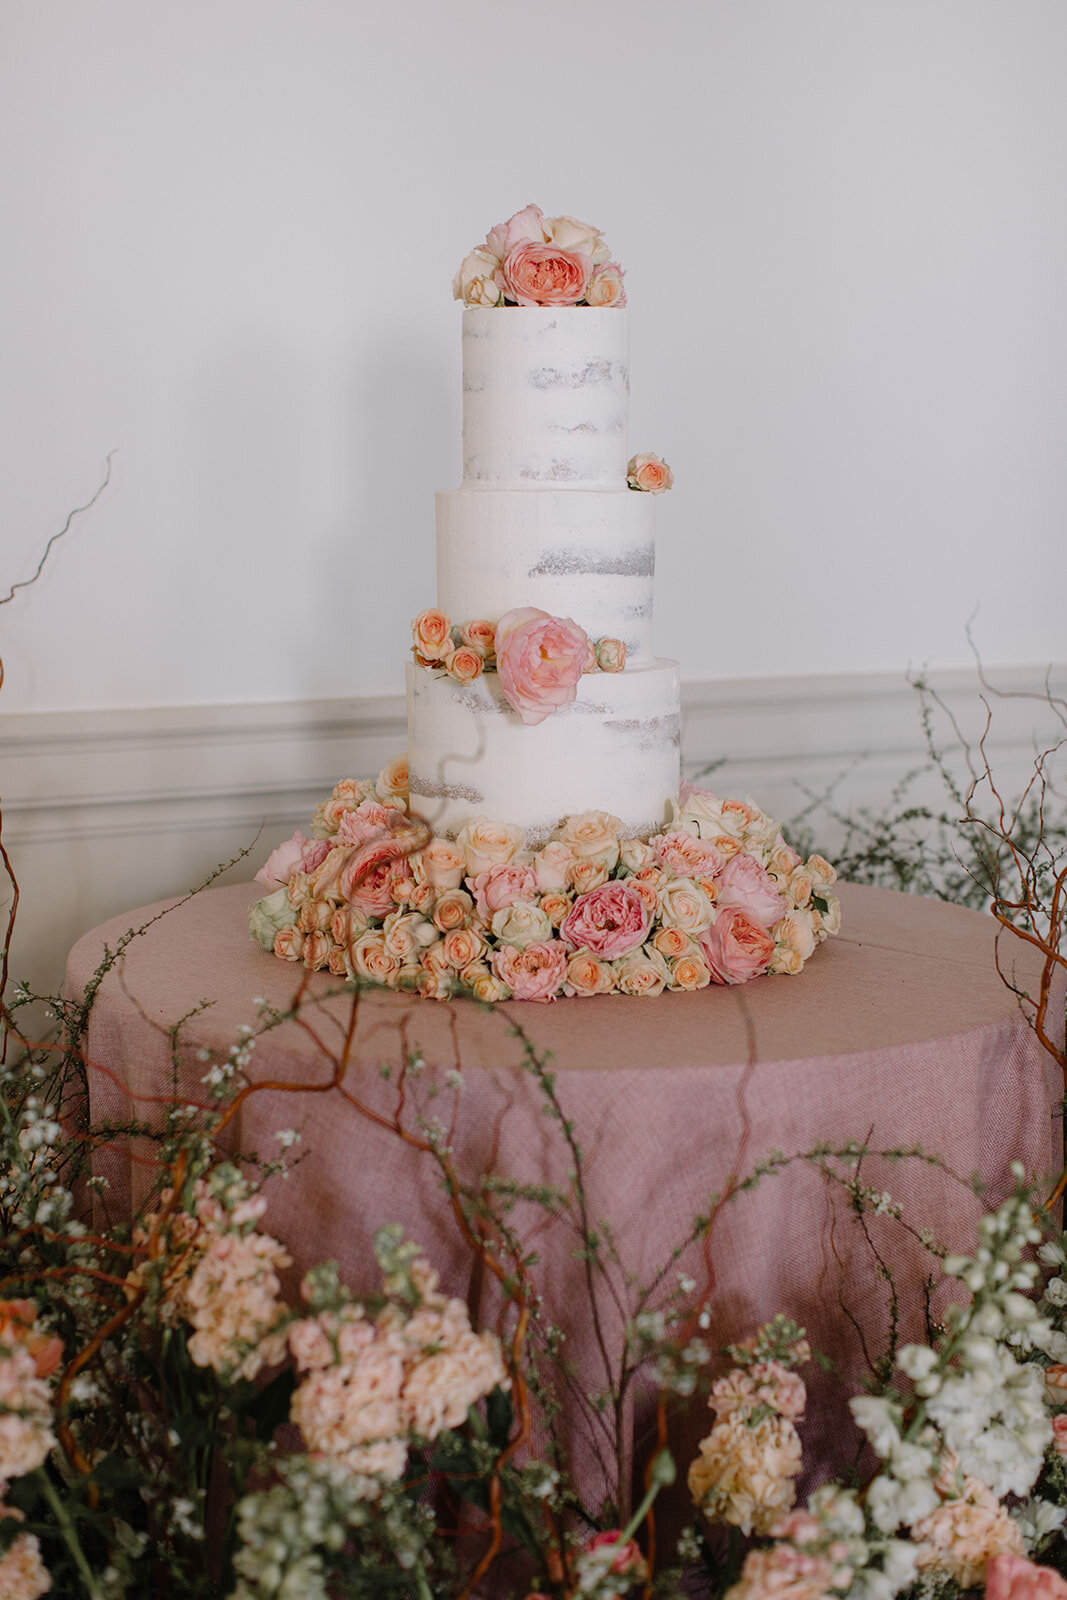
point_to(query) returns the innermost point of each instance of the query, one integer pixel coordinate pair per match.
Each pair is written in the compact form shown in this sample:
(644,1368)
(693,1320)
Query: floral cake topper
(534,260)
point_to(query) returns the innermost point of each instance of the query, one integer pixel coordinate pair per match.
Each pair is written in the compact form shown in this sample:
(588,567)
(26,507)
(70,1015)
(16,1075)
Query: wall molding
(104,811)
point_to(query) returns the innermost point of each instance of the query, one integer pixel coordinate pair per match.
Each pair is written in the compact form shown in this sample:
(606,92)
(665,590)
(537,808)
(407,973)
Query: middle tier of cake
(588,554)
(615,749)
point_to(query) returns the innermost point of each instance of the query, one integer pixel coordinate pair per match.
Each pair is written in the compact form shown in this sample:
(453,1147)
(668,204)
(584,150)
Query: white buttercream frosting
(615,749)
(546,393)
(587,554)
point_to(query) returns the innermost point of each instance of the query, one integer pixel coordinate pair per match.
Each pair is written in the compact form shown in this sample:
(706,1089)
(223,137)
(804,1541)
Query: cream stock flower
(25,1415)
(744,1473)
(23,1575)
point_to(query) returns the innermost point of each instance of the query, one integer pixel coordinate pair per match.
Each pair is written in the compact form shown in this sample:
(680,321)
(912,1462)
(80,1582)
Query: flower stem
(66,1527)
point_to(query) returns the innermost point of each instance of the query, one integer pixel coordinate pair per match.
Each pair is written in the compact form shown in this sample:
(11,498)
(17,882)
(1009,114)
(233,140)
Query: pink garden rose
(369,819)
(525,227)
(743,882)
(609,921)
(534,973)
(539,660)
(544,275)
(501,886)
(736,948)
(648,472)
(1009,1577)
(295,855)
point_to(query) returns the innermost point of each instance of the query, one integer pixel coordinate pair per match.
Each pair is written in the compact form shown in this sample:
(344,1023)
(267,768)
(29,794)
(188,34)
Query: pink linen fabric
(899,1032)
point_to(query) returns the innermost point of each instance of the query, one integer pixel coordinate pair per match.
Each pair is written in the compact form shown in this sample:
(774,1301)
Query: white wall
(229,228)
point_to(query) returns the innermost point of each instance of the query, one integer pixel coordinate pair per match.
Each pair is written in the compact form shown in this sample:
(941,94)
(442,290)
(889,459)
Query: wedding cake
(536,841)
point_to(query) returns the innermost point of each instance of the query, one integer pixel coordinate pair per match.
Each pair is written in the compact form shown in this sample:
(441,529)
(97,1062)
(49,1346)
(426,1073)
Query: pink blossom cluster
(717,897)
(746,1468)
(218,1275)
(23,1575)
(371,1386)
(539,658)
(28,1356)
(534,260)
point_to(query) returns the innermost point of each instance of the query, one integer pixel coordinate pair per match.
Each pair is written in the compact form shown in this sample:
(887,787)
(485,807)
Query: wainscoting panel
(108,811)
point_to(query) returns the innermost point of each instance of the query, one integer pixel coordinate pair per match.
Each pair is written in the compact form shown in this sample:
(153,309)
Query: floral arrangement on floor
(539,658)
(717,897)
(534,260)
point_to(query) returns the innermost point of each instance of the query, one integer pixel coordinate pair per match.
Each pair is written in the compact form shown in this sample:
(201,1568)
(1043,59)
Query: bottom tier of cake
(469,755)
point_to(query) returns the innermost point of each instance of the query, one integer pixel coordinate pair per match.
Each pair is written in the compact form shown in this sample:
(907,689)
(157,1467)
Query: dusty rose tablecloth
(899,1032)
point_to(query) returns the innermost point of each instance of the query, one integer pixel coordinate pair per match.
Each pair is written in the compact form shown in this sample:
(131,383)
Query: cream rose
(635,854)
(464,663)
(690,972)
(422,898)
(454,909)
(480,636)
(796,932)
(405,934)
(289,944)
(441,863)
(650,473)
(392,781)
(483,984)
(431,632)
(484,844)
(611,655)
(606,286)
(567,233)
(672,943)
(521,924)
(369,959)
(593,833)
(316,953)
(682,904)
(314,916)
(822,873)
(473,283)
(588,975)
(587,873)
(555,905)
(462,946)
(643,972)
(552,864)
(434,984)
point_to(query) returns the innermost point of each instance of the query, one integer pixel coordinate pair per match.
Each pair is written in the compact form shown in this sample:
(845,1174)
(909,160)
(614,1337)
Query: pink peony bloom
(500,886)
(370,890)
(367,821)
(735,947)
(1009,1577)
(687,856)
(743,882)
(534,973)
(609,921)
(544,275)
(295,855)
(539,660)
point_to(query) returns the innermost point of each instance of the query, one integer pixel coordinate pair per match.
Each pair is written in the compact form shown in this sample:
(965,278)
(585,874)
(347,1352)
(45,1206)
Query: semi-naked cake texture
(535,842)
(544,518)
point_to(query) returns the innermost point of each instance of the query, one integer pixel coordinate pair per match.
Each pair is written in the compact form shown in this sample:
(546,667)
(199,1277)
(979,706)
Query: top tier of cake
(546,396)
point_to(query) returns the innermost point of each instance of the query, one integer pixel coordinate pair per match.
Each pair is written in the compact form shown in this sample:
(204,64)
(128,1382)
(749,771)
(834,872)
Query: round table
(899,1033)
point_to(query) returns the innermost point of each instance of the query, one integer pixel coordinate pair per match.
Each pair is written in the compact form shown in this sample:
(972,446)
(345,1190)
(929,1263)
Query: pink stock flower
(539,660)
(295,855)
(743,882)
(609,921)
(501,885)
(1009,1577)
(543,275)
(534,973)
(735,947)
(368,820)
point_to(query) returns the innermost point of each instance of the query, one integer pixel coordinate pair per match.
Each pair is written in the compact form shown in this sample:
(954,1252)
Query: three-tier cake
(535,841)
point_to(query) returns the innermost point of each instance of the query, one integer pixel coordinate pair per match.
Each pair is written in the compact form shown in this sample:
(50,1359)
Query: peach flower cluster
(717,897)
(745,1471)
(23,1575)
(539,658)
(534,260)
(371,1386)
(967,1530)
(219,1275)
(28,1357)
